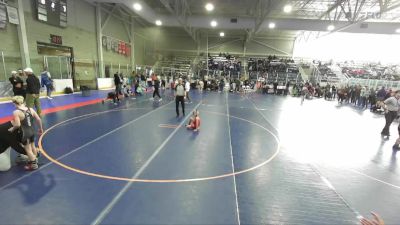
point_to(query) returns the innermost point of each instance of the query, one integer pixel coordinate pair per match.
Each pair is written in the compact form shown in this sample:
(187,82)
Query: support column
(22,37)
(132,43)
(208,70)
(99,35)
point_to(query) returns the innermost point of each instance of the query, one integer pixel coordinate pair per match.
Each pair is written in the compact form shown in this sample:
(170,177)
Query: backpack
(68,90)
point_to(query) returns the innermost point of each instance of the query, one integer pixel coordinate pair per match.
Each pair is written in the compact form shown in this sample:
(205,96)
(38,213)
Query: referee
(180,97)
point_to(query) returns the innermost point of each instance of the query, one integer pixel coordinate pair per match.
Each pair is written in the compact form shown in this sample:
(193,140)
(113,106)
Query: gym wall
(80,34)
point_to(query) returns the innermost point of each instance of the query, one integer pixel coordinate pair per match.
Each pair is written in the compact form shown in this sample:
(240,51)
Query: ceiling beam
(388,9)
(180,11)
(333,7)
(109,14)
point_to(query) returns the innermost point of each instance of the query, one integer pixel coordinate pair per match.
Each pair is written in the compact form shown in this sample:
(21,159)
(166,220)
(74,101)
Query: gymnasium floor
(316,163)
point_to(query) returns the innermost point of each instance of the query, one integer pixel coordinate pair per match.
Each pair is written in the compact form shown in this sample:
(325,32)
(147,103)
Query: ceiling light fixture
(330,27)
(398,30)
(287,8)
(137,6)
(222,34)
(271,25)
(158,22)
(214,23)
(209,7)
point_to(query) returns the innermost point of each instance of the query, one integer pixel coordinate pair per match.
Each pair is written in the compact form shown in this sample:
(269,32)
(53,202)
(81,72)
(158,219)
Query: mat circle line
(70,168)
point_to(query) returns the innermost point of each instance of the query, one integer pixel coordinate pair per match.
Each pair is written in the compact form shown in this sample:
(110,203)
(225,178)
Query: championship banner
(115,45)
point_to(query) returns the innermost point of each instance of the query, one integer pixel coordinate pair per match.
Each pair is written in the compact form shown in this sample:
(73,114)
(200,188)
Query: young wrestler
(23,122)
(194,121)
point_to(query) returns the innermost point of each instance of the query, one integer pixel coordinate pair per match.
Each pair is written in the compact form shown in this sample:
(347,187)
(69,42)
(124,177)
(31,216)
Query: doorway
(58,60)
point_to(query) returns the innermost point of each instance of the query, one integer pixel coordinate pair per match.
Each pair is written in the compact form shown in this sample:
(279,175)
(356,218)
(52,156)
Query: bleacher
(371,71)
(327,75)
(273,69)
(221,65)
(174,64)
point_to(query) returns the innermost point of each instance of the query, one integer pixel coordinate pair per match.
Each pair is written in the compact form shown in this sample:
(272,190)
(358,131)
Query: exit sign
(55,39)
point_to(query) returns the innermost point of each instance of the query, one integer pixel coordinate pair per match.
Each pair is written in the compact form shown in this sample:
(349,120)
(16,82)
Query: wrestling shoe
(21,159)
(31,166)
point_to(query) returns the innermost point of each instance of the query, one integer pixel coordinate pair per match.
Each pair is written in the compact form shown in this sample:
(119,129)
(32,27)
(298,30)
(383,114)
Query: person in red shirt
(194,121)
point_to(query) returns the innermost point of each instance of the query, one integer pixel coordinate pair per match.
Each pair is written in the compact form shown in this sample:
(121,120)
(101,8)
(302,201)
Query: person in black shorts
(23,124)
(8,139)
(157,89)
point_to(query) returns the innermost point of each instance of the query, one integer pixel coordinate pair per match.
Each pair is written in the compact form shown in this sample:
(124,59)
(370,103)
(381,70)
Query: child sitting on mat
(194,121)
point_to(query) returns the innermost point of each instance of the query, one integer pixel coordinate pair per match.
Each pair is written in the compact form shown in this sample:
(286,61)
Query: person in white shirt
(179,97)
(187,89)
(201,85)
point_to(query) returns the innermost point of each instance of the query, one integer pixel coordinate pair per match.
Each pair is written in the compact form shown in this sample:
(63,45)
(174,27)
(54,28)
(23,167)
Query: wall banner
(12,15)
(115,45)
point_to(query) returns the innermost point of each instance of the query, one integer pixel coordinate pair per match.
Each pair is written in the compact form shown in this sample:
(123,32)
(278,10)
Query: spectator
(17,84)
(157,89)
(334,92)
(381,94)
(391,106)
(187,90)
(47,82)
(118,85)
(32,91)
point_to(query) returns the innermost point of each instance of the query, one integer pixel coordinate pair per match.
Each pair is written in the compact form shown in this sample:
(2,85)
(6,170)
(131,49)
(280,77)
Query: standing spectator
(334,92)
(388,94)
(187,89)
(372,97)
(276,87)
(47,82)
(163,83)
(180,97)
(17,84)
(361,98)
(201,85)
(32,91)
(287,88)
(118,85)
(157,89)
(381,94)
(221,85)
(365,97)
(391,106)
(327,92)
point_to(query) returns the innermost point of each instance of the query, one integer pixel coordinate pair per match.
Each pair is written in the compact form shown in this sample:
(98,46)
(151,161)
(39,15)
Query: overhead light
(209,7)
(398,31)
(271,25)
(137,6)
(158,22)
(214,23)
(330,28)
(287,8)
(222,34)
